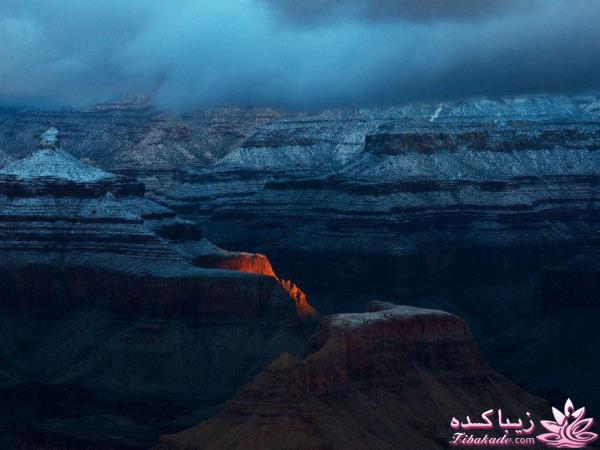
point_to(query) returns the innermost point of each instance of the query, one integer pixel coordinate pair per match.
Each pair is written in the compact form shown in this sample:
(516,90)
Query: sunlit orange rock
(256,263)
(305,310)
(239,261)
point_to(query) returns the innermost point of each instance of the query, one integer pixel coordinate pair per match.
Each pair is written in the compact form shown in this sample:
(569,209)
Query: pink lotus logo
(570,429)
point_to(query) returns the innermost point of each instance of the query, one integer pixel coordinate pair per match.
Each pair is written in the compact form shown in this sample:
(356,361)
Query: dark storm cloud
(190,54)
(63,51)
(323,11)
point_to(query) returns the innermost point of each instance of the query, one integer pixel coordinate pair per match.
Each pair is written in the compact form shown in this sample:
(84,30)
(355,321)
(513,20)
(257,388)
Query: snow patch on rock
(356,320)
(49,163)
(49,138)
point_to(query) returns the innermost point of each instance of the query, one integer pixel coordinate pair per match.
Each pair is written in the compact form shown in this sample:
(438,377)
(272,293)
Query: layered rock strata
(515,180)
(110,332)
(131,132)
(392,377)
(76,223)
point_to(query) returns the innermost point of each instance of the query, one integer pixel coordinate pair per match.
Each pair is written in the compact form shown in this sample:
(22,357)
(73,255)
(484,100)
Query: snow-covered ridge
(49,139)
(335,139)
(50,163)
(396,312)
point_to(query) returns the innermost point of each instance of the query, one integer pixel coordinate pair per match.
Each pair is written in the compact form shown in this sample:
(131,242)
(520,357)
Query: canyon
(475,207)
(484,208)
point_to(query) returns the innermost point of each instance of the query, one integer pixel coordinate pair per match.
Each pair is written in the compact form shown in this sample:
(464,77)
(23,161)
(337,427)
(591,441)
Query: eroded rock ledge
(72,233)
(389,378)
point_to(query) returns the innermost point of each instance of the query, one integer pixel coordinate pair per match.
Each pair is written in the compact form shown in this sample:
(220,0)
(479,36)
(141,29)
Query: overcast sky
(300,54)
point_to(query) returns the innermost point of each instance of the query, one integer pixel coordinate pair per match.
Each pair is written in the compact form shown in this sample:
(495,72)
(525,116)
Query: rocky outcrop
(481,174)
(205,254)
(95,231)
(110,327)
(461,206)
(131,133)
(49,139)
(392,377)
(498,139)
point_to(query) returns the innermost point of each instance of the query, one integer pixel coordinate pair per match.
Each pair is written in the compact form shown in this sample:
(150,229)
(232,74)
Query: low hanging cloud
(320,12)
(302,55)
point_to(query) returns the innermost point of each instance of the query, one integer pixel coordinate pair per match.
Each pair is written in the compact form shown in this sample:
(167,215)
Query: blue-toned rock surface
(107,320)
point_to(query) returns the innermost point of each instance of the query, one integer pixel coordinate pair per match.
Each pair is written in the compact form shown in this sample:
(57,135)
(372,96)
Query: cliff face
(65,233)
(553,349)
(205,254)
(107,320)
(475,207)
(98,234)
(131,133)
(389,378)
(464,206)
(499,139)
(398,183)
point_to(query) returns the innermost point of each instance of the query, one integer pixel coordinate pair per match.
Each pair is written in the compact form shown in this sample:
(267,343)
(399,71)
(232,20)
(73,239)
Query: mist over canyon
(306,55)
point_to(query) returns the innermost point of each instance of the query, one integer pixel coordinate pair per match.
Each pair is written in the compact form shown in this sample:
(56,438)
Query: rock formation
(392,378)
(206,254)
(459,206)
(66,219)
(131,133)
(479,207)
(106,317)
(392,195)
(483,174)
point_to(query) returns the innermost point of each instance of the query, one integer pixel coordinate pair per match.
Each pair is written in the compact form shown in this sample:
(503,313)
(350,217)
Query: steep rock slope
(504,173)
(132,133)
(59,216)
(461,206)
(109,332)
(392,378)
